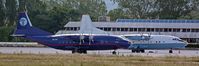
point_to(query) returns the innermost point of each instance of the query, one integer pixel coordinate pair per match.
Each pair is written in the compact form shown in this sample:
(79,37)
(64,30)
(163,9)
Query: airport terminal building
(185,29)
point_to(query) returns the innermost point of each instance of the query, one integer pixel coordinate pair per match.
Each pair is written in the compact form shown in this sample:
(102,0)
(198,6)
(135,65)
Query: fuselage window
(54,39)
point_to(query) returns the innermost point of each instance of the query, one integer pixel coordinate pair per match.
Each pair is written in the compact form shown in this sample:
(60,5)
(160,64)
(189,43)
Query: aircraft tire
(73,51)
(170,51)
(133,50)
(84,51)
(142,50)
(137,50)
(114,52)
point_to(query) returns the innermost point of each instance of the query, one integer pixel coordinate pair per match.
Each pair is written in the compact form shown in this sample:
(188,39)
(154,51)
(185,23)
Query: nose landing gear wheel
(79,51)
(170,51)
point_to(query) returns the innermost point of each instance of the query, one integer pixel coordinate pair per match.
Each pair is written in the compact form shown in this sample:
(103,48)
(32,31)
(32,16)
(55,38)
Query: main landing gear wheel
(79,51)
(114,52)
(142,50)
(137,50)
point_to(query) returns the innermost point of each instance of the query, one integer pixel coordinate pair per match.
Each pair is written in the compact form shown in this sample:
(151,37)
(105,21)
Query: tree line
(52,15)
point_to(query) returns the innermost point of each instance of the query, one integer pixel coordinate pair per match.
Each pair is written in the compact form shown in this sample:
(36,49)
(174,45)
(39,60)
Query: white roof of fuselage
(82,34)
(150,35)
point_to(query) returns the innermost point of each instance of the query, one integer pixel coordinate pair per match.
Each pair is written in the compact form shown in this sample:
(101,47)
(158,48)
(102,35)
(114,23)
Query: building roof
(138,25)
(157,21)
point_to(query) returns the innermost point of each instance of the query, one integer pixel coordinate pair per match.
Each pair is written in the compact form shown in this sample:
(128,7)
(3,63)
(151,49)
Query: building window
(118,29)
(135,29)
(114,29)
(178,30)
(108,29)
(131,29)
(184,30)
(160,29)
(148,30)
(188,30)
(71,28)
(166,30)
(122,29)
(126,29)
(157,30)
(152,29)
(170,30)
(194,30)
(141,29)
(75,28)
(197,30)
(174,30)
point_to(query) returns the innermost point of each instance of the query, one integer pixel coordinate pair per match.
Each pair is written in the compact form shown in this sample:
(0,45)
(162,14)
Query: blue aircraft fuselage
(71,42)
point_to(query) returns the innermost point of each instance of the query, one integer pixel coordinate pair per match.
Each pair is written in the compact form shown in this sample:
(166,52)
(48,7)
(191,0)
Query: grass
(93,60)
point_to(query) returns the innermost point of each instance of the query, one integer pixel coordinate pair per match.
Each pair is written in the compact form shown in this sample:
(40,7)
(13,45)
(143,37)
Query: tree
(2,13)
(172,9)
(5,33)
(137,8)
(192,15)
(117,14)
(94,8)
(11,12)
(161,9)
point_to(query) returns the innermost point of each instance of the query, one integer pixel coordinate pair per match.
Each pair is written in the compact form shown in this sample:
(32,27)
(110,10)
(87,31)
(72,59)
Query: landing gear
(79,51)
(114,52)
(142,50)
(137,50)
(170,51)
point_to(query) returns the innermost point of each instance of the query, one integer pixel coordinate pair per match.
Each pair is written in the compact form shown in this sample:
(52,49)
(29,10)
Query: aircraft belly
(84,47)
(158,46)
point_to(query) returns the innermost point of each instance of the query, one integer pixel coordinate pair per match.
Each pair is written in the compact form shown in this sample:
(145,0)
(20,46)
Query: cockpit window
(177,39)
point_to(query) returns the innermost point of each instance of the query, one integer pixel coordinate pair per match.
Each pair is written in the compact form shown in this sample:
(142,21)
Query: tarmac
(120,52)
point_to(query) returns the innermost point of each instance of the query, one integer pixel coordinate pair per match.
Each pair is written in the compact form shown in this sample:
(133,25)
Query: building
(185,29)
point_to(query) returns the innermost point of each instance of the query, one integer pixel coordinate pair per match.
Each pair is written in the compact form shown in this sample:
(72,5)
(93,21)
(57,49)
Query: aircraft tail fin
(25,28)
(87,26)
